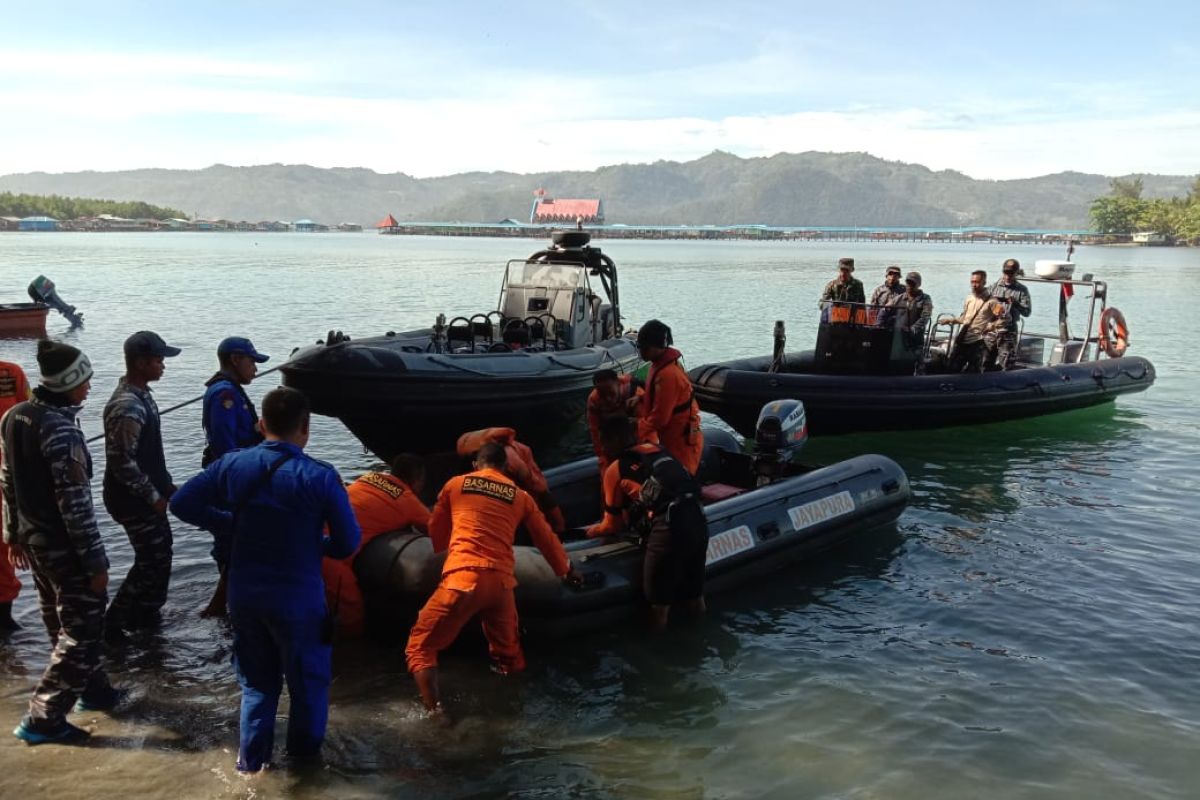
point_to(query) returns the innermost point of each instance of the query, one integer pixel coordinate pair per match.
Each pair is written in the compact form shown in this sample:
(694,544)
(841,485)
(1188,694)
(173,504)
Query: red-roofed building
(387,225)
(550,211)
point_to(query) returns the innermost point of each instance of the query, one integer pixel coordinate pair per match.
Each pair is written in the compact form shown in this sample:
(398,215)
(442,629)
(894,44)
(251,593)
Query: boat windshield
(549,276)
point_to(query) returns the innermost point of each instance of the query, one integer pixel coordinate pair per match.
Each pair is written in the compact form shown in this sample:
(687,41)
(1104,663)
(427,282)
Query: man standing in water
(475,520)
(229,419)
(276,502)
(14,388)
(50,525)
(137,484)
(230,423)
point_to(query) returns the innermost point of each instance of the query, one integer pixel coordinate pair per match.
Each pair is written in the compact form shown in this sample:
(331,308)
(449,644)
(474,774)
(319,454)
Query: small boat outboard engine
(779,435)
(42,291)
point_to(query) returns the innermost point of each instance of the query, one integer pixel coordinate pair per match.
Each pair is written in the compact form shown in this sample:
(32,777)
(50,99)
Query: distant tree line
(1125,211)
(53,205)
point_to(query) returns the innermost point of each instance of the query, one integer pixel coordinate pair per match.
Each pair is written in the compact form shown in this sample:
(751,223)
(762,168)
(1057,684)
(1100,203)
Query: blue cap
(239,344)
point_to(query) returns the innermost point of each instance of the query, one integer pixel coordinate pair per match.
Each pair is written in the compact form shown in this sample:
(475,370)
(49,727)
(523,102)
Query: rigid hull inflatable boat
(527,365)
(763,513)
(862,376)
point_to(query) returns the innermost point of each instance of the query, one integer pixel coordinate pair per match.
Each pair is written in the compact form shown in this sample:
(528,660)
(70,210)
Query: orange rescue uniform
(475,519)
(670,414)
(14,388)
(619,492)
(521,467)
(598,410)
(381,503)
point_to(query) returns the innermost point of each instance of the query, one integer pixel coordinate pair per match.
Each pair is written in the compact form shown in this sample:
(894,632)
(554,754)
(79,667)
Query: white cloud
(108,111)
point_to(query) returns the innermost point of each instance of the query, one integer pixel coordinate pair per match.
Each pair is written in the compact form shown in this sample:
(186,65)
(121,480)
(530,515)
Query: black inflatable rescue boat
(866,375)
(764,511)
(527,365)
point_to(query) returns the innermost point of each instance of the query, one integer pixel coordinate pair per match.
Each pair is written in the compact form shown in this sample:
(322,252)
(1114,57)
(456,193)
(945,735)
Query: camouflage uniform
(135,478)
(851,291)
(48,511)
(1002,342)
(914,314)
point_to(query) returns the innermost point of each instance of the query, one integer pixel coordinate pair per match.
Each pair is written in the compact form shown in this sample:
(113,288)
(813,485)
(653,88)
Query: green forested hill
(786,189)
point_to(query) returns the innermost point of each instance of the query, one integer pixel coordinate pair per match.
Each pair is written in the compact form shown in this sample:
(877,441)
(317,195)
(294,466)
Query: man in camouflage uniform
(50,525)
(845,288)
(914,309)
(137,484)
(1002,342)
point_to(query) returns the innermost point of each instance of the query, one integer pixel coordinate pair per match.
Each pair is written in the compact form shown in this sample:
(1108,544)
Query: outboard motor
(42,291)
(779,435)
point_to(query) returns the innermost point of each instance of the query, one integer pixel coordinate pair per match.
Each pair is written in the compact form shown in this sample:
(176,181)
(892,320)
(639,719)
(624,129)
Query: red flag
(1068,291)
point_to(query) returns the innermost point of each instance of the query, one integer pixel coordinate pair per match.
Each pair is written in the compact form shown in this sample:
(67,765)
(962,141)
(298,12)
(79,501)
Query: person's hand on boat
(573,578)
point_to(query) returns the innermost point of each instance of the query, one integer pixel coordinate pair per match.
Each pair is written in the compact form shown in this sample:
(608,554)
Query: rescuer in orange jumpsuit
(669,415)
(381,503)
(14,388)
(613,395)
(475,518)
(669,518)
(521,467)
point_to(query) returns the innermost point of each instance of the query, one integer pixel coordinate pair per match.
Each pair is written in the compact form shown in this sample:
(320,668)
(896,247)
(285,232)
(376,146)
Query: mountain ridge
(810,188)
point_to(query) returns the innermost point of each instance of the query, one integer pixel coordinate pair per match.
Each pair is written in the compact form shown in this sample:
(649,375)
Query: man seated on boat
(520,466)
(977,320)
(669,415)
(885,296)
(914,309)
(474,522)
(612,395)
(1002,344)
(649,492)
(382,502)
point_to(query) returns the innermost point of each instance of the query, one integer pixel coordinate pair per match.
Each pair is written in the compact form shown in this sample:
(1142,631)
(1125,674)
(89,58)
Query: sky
(994,90)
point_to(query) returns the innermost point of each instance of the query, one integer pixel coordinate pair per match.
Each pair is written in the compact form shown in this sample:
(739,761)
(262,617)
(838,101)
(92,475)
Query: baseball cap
(846,263)
(892,270)
(148,343)
(914,278)
(240,344)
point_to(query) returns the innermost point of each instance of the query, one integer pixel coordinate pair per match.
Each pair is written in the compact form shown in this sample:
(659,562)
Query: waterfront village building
(388,225)
(551,211)
(37,224)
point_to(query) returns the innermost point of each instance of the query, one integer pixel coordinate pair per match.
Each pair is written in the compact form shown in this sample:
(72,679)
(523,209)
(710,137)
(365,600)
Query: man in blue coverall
(276,501)
(228,416)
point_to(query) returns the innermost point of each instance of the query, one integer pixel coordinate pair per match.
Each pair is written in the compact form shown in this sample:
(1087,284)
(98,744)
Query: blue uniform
(277,607)
(229,419)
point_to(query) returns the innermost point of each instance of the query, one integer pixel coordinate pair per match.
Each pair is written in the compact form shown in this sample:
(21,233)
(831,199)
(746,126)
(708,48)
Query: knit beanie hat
(63,367)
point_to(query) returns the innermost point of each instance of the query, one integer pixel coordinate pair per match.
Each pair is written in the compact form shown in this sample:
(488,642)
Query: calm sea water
(1027,630)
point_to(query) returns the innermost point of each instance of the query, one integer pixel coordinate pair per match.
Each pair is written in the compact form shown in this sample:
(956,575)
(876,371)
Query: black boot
(7,623)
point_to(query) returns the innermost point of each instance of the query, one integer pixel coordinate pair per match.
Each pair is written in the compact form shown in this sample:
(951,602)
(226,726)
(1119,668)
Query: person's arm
(344,533)
(66,453)
(197,502)
(1023,302)
(222,422)
(544,538)
(122,432)
(9,491)
(667,395)
(614,504)
(440,522)
(593,422)
(827,294)
(412,511)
